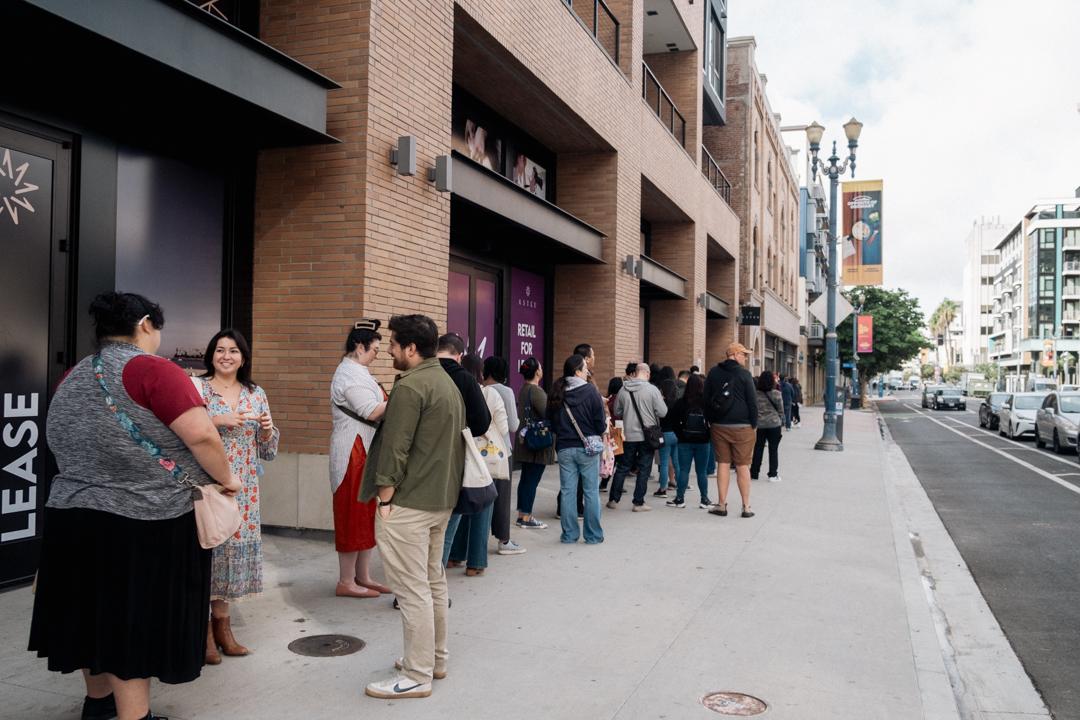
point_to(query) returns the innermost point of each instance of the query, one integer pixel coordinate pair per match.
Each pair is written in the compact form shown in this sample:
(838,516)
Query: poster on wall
(862,233)
(26,216)
(477,143)
(526,322)
(526,173)
(865,343)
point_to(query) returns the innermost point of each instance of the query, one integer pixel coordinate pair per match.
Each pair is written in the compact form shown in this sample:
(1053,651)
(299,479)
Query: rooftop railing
(715,176)
(660,103)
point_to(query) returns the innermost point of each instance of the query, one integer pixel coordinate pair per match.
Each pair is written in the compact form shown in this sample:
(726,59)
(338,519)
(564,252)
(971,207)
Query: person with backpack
(692,431)
(732,411)
(787,391)
(770,419)
(796,421)
(641,406)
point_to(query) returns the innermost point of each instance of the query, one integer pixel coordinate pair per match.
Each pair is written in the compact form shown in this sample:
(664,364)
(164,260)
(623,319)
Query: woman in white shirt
(357,404)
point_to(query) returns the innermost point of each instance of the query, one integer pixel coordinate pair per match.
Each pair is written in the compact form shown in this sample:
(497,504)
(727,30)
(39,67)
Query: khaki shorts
(733,444)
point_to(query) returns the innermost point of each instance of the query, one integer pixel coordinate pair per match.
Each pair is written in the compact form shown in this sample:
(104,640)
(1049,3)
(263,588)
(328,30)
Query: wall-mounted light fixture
(442,174)
(405,155)
(632,266)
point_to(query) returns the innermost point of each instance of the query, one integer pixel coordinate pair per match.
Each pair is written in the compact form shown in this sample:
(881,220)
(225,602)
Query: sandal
(720,510)
(470,572)
(454,563)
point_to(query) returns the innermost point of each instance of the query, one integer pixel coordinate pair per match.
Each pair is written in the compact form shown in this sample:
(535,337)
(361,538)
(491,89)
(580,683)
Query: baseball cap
(735,349)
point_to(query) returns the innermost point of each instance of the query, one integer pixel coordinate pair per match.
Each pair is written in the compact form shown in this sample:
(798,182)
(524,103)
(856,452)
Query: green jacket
(418,447)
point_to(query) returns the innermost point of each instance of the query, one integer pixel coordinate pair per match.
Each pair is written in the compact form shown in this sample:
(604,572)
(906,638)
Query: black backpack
(696,428)
(722,400)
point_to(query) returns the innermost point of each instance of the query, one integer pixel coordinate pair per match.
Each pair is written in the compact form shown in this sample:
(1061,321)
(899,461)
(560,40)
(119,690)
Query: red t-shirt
(161,387)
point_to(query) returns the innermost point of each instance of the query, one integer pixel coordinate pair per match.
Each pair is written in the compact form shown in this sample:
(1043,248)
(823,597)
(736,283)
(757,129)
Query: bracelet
(384,504)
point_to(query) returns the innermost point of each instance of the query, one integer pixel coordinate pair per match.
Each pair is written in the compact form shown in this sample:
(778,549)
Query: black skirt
(127,597)
(500,517)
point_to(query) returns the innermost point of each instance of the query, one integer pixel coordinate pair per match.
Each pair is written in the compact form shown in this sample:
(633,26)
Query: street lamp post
(834,170)
(855,389)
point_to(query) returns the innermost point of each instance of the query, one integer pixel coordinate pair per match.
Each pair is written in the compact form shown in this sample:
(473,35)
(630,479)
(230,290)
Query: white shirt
(352,387)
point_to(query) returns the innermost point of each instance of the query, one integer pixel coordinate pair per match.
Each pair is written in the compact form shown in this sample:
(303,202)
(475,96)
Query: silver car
(1056,421)
(1017,414)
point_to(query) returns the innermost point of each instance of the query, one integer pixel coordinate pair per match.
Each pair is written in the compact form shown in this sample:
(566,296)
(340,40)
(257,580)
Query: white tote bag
(477,489)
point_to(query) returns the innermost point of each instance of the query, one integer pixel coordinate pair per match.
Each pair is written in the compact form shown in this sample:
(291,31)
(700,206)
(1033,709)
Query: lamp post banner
(862,225)
(866,333)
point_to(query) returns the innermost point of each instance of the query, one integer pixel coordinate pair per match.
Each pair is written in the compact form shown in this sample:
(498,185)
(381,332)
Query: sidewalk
(815,606)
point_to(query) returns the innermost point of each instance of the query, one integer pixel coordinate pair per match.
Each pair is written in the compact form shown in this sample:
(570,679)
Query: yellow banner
(862,232)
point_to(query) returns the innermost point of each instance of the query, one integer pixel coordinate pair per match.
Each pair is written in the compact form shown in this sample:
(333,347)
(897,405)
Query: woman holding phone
(240,412)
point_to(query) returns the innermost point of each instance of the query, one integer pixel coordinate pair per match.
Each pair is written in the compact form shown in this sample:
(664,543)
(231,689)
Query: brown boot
(224,637)
(213,657)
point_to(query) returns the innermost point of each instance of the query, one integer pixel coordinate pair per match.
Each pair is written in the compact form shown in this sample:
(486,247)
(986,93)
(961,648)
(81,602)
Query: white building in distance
(981,259)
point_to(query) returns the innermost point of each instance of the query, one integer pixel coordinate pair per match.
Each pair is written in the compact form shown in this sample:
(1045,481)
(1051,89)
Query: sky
(969,111)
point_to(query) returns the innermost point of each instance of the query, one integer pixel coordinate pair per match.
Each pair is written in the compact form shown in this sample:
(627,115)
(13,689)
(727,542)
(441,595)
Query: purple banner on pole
(526,322)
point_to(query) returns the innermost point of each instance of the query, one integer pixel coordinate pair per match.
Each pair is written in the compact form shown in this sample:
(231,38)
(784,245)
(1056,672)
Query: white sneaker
(398,686)
(510,548)
(642,508)
(774,478)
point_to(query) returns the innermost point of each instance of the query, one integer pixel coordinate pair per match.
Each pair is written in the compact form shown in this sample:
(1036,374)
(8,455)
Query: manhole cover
(326,645)
(733,703)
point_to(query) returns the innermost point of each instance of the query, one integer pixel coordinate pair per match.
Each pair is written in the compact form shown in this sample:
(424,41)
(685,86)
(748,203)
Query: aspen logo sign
(14,192)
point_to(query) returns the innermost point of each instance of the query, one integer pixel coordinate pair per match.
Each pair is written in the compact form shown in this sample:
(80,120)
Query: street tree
(897,336)
(990,370)
(939,324)
(926,371)
(952,375)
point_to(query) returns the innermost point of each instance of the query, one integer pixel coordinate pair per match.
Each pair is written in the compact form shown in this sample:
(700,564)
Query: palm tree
(940,321)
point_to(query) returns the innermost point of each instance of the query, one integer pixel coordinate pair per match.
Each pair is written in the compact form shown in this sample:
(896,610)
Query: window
(714,55)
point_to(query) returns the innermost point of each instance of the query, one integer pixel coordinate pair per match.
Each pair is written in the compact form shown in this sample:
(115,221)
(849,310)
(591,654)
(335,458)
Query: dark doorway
(474,306)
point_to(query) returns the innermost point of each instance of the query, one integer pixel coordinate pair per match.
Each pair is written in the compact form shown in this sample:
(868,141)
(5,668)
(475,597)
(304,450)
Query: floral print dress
(236,573)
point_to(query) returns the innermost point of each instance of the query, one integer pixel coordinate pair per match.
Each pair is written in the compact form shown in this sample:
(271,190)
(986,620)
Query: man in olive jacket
(415,468)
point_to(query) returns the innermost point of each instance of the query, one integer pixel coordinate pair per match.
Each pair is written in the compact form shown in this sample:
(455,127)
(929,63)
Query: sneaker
(774,478)
(436,674)
(510,548)
(747,512)
(99,708)
(705,503)
(611,505)
(531,524)
(398,686)
(676,503)
(642,508)
(671,485)
(662,492)
(712,475)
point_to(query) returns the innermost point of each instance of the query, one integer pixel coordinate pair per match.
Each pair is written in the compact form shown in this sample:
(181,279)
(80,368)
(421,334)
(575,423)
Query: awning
(557,236)
(659,283)
(160,68)
(715,308)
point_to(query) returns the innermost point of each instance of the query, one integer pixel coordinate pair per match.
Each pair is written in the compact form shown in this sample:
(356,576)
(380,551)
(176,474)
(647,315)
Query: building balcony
(596,17)
(1071,267)
(660,103)
(816,335)
(715,176)
(1070,292)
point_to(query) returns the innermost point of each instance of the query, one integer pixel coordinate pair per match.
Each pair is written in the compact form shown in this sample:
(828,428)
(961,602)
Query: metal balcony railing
(598,19)
(715,176)
(660,103)
(1071,265)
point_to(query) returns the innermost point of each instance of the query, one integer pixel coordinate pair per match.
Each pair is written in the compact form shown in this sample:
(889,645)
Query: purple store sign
(526,322)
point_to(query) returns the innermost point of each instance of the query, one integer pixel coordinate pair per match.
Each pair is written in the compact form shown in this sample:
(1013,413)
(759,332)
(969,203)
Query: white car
(1056,421)
(1017,414)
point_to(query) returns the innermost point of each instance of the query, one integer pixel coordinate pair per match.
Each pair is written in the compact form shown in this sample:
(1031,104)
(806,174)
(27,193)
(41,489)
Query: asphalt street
(1014,513)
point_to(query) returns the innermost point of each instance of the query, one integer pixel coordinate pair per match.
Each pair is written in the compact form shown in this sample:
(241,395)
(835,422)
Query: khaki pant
(411,546)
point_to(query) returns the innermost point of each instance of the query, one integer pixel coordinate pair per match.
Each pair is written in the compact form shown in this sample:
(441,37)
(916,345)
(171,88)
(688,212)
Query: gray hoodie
(649,401)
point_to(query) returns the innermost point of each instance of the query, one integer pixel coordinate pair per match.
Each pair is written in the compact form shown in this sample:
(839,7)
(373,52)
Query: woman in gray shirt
(770,426)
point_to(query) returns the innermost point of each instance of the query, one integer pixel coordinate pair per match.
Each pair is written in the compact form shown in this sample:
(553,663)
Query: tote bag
(477,489)
(498,464)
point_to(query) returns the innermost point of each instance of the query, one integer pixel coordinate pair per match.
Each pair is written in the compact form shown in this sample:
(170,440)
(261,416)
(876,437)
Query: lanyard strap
(136,434)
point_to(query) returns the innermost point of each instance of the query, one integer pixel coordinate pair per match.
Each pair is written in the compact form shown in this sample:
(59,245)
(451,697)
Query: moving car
(988,410)
(1017,414)
(946,398)
(1056,422)
(928,394)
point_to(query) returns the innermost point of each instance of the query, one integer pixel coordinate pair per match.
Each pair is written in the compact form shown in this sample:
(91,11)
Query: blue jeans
(787,416)
(575,464)
(700,454)
(633,451)
(527,483)
(668,453)
(467,538)
(712,463)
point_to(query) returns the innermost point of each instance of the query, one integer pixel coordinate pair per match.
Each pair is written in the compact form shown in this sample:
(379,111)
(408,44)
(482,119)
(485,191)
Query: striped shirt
(352,387)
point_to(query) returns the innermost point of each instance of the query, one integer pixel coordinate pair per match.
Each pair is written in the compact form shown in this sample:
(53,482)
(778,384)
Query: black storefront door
(34,192)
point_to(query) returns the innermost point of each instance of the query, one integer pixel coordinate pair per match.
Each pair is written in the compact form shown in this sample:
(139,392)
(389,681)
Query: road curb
(957,643)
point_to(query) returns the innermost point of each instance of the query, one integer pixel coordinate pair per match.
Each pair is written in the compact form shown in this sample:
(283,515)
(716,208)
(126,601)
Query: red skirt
(354,521)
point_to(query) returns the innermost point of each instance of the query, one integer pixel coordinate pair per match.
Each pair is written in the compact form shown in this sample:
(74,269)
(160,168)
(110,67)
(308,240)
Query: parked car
(1056,422)
(1017,414)
(928,394)
(1040,384)
(988,410)
(948,398)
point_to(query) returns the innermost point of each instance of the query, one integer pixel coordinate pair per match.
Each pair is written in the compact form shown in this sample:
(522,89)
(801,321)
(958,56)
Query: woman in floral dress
(239,410)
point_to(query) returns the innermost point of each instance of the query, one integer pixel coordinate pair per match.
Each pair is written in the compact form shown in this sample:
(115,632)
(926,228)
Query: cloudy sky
(970,110)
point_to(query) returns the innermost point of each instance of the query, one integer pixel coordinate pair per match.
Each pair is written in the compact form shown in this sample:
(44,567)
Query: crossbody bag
(654,434)
(594,444)
(216,515)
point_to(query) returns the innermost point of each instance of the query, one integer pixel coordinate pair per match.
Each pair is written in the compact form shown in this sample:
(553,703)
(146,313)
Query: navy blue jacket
(588,409)
(788,393)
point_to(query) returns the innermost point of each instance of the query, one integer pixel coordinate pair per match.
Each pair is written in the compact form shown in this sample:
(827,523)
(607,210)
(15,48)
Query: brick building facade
(582,207)
(765,196)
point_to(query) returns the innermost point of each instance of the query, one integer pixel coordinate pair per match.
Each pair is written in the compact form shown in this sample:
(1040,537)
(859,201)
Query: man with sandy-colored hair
(732,411)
